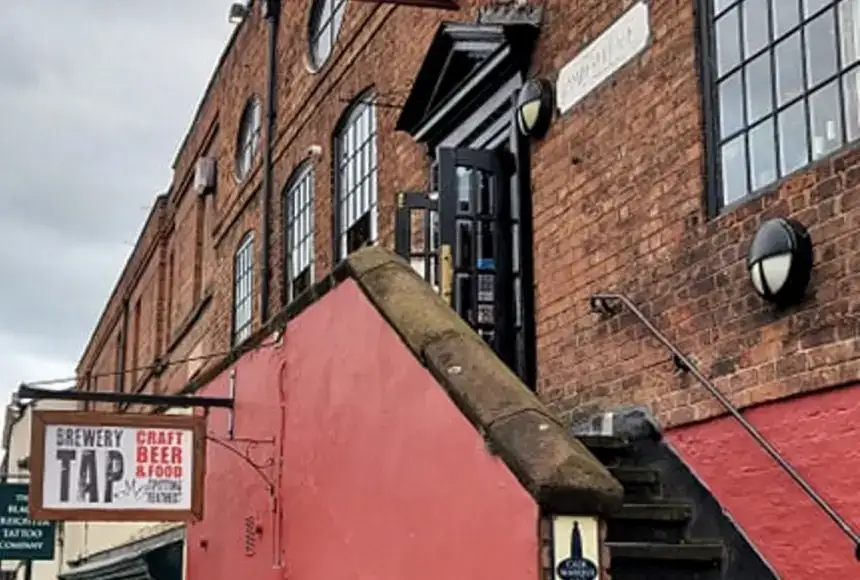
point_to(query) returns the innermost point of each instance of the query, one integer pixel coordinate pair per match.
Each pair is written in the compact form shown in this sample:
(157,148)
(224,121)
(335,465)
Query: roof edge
(158,205)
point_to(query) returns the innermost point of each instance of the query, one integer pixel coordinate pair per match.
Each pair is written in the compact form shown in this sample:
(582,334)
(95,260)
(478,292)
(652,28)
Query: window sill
(824,165)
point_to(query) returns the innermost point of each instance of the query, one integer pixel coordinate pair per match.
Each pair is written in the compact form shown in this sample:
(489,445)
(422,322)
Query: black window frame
(329,27)
(251,121)
(354,113)
(243,269)
(302,181)
(707,18)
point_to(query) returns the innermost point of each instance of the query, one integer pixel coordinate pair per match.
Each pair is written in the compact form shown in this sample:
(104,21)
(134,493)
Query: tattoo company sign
(116,467)
(20,537)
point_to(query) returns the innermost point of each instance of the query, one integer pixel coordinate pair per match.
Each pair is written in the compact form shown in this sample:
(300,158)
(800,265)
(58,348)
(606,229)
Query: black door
(474,211)
(460,241)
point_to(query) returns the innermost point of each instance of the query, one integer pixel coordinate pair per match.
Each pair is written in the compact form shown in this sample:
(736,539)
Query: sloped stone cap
(552,465)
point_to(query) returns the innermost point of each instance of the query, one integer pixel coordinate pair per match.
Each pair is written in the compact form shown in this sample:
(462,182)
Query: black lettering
(90,437)
(65,457)
(88,485)
(113,472)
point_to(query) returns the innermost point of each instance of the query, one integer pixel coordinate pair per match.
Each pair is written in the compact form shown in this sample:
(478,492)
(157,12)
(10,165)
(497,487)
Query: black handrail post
(603,302)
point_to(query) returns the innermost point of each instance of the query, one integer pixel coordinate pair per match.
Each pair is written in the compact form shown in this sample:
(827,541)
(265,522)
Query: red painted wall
(382,477)
(820,436)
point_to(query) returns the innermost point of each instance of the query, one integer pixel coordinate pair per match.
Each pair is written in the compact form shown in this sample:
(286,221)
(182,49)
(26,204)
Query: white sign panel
(575,548)
(616,46)
(117,468)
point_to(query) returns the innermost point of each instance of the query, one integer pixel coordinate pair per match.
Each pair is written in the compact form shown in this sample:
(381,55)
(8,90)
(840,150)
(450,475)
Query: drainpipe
(272,13)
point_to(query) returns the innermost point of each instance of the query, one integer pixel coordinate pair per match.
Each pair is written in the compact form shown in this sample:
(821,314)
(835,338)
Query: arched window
(243,289)
(248,138)
(356,190)
(323,27)
(299,230)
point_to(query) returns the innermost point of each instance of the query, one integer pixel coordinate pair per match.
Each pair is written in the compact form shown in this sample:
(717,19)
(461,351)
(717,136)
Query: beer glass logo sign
(576,566)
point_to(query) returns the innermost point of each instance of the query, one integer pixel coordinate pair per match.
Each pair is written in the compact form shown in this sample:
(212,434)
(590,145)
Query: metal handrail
(602,303)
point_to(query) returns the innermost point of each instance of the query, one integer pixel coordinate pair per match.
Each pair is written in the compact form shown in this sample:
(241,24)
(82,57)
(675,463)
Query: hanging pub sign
(116,467)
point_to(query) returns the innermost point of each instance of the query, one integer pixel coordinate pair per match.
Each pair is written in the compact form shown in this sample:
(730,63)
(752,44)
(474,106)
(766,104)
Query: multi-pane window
(248,137)
(323,27)
(788,86)
(356,185)
(299,224)
(243,288)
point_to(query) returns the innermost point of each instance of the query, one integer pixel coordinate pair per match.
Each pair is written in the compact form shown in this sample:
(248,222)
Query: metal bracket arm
(245,454)
(26,392)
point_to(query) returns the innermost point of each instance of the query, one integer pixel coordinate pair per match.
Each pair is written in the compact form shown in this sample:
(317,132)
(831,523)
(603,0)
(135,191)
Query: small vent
(204,175)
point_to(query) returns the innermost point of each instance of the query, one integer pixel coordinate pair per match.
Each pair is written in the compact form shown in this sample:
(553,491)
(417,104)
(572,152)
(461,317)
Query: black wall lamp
(780,261)
(535,108)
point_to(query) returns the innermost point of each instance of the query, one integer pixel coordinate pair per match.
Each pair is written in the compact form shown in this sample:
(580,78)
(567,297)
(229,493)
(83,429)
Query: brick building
(652,185)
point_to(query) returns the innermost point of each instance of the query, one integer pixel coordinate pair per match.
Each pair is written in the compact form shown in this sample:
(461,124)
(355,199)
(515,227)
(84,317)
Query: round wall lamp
(534,108)
(780,261)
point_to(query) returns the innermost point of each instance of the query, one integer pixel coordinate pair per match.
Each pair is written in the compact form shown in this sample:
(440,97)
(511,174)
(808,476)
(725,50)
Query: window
(248,138)
(323,27)
(787,87)
(299,230)
(355,175)
(243,281)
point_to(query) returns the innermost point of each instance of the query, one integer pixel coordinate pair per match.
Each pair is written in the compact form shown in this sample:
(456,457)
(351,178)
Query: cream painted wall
(17,448)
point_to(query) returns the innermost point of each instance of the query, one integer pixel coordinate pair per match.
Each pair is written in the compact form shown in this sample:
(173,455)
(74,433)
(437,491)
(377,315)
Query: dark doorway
(469,235)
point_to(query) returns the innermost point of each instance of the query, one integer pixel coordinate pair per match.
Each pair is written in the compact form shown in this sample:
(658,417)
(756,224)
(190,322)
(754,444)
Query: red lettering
(176,455)
(141,454)
(140,471)
(141,437)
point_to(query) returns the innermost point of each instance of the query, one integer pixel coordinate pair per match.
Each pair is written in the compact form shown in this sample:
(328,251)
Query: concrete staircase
(670,527)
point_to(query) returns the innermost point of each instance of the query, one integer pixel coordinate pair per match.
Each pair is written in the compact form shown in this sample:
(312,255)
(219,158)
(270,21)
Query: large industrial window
(325,20)
(355,179)
(299,233)
(243,289)
(248,138)
(787,87)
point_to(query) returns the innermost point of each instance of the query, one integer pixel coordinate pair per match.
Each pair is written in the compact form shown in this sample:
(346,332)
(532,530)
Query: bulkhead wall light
(535,108)
(780,261)
(238,13)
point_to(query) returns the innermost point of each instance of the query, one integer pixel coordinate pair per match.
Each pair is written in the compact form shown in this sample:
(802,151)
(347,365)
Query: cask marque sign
(116,467)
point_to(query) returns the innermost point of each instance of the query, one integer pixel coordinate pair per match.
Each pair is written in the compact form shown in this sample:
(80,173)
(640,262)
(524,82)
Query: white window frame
(356,173)
(299,227)
(243,289)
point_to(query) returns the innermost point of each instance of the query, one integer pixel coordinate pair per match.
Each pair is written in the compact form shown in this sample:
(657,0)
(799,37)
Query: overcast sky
(95,96)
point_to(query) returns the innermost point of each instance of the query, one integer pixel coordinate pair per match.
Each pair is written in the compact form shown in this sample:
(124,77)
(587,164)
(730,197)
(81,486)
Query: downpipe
(272,13)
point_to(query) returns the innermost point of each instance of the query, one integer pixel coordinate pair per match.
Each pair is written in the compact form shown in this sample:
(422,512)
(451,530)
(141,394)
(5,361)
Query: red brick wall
(618,206)
(818,434)
(617,193)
